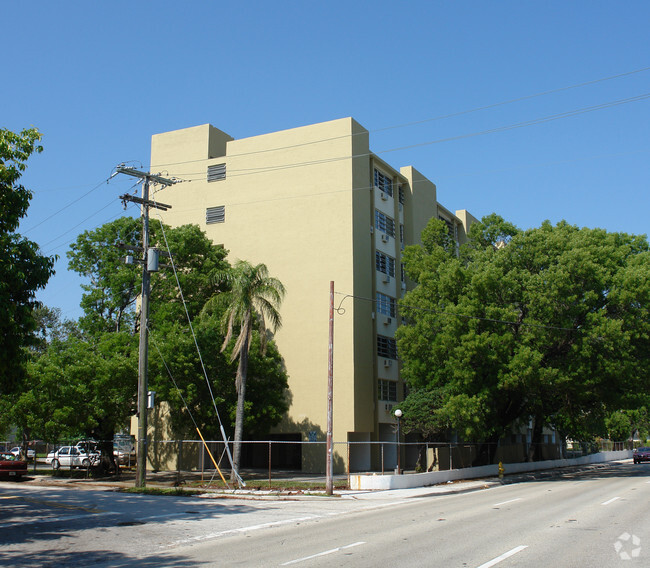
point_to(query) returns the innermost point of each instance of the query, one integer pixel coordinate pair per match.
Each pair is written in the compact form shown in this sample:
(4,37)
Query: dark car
(11,466)
(641,455)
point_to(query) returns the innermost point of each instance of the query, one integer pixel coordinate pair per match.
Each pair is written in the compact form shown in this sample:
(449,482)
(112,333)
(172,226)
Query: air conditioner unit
(383,196)
(372,229)
(388,362)
(388,321)
(386,279)
(403,285)
(372,315)
(384,238)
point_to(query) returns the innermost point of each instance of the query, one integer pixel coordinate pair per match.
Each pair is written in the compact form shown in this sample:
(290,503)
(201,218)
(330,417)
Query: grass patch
(280,485)
(173,491)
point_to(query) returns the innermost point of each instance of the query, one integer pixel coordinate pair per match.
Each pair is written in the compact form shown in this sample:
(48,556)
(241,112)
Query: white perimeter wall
(374,482)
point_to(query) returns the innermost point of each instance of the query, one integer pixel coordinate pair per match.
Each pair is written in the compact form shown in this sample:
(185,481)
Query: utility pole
(329,474)
(143,355)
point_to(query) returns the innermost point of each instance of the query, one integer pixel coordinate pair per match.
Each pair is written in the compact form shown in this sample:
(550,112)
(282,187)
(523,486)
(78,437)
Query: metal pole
(269,465)
(141,472)
(330,388)
(399,452)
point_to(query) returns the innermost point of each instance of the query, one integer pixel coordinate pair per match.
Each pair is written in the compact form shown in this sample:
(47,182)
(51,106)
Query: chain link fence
(276,459)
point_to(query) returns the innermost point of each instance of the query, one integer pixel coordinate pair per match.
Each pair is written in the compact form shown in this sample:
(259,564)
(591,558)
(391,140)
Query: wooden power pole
(143,355)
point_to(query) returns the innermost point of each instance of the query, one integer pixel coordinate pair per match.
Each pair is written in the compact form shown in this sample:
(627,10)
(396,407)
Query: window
(383,182)
(217,172)
(386,347)
(384,223)
(402,271)
(385,305)
(387,390)
(401,235)
(401,194)
(385,263)
(215,214)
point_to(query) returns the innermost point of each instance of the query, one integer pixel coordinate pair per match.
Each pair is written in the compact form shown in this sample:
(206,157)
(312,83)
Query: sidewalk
(168,480)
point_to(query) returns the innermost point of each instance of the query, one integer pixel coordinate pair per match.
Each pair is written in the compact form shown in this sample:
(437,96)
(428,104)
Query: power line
(71,240)
(426,120)
(523,124)
(532,122)
(516,100)
(252,171)
(66,206)
(452,314)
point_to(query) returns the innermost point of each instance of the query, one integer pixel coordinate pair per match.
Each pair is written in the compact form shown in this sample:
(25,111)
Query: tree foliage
(80,387)
(84,377)
(23,270)
(549,323)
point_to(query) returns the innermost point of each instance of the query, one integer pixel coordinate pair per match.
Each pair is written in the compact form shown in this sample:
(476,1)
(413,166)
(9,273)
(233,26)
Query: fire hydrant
(501,470)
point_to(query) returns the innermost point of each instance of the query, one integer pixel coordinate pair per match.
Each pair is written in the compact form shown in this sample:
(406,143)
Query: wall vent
(215,214)
(217,172)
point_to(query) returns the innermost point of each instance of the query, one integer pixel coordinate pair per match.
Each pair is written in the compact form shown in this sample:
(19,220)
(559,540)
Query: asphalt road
(597,517)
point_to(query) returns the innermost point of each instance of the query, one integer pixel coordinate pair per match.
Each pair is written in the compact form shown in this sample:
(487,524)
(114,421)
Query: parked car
(11,466)
(71,456)
(124,457)
(89,445)
(124,454)
(17,451)
(641,455)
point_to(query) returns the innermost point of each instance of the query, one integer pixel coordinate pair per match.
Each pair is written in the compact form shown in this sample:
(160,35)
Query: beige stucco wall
(298,220)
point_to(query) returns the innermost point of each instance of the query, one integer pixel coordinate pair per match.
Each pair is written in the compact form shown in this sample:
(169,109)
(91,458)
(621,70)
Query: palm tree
(254,297)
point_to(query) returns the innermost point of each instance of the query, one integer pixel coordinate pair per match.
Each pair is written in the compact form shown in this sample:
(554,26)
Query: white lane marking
(610,501)
(510,501)
(503,556)
(280,523)
(182,516)
(322,553)
(240,530)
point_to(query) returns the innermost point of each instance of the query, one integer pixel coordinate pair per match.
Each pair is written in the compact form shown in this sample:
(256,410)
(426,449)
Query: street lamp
(398,415)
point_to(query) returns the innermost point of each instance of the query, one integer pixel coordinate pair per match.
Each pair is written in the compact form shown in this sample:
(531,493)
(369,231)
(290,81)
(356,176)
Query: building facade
(315,205)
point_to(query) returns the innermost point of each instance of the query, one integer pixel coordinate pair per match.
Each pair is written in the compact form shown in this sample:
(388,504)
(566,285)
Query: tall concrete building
(315,205)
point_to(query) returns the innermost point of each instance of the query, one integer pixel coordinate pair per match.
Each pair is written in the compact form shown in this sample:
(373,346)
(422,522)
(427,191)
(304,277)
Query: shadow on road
(97,558)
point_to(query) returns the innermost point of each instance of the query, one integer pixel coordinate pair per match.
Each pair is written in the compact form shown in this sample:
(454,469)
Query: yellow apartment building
(315,205)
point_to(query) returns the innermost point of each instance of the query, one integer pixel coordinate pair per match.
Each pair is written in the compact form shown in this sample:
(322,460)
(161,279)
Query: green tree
(624,424)
(23,270)
(110,296)
(69,394)
(253,299)
(172,352)
(548,324)
(80,387)
(83,379)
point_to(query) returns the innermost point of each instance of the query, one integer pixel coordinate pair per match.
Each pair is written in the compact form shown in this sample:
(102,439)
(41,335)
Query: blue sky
(99,78)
